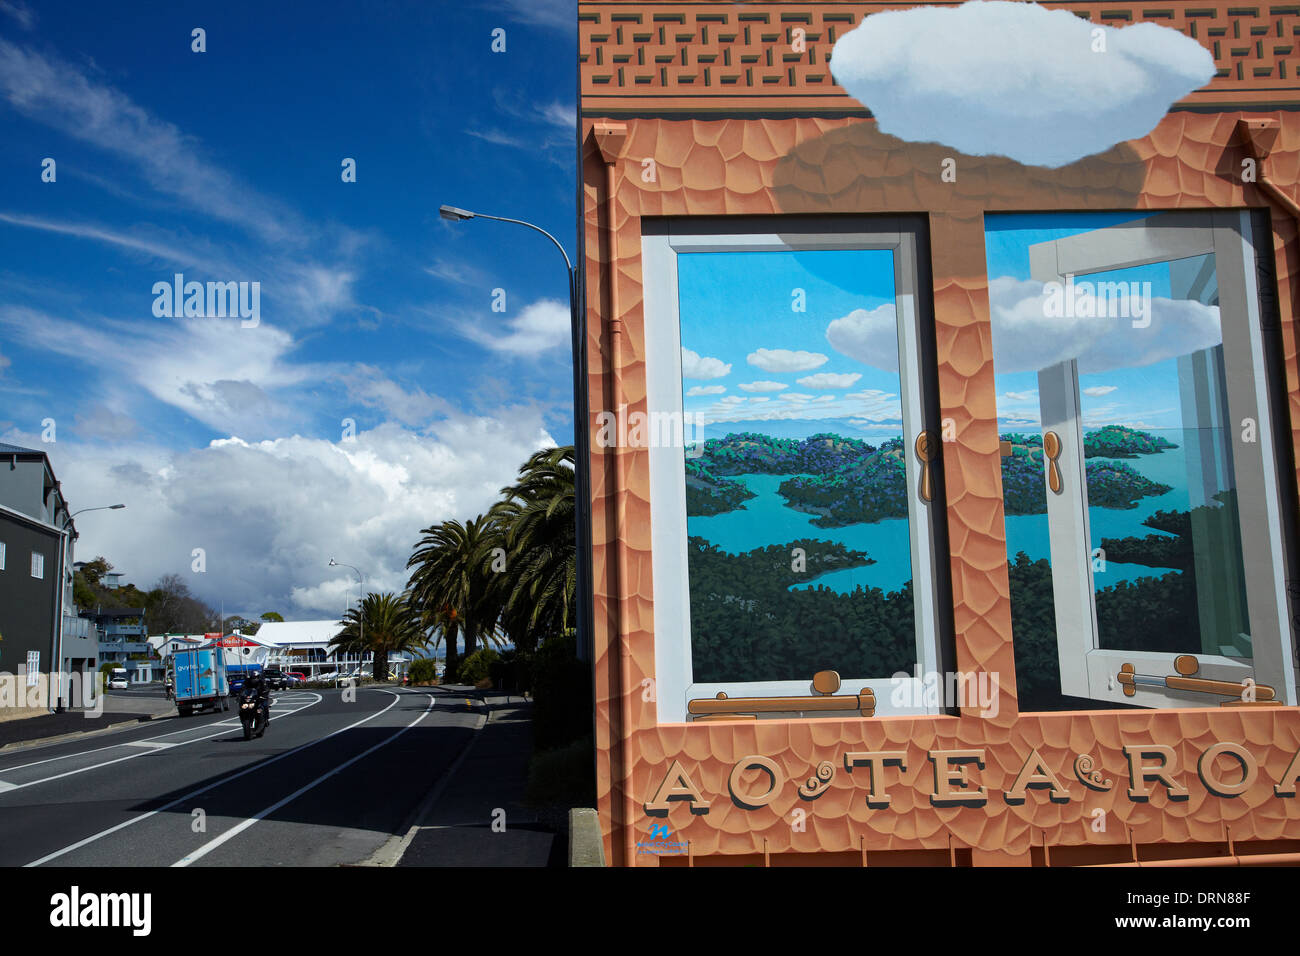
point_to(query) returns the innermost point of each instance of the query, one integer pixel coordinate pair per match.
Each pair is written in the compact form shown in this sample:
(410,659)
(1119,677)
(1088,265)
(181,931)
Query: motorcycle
(254,714)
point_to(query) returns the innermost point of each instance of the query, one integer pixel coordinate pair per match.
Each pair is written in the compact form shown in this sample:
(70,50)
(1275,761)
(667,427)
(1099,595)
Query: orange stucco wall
(774,159)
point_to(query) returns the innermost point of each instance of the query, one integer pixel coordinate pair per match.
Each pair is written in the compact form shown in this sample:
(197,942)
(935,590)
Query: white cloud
(762,386)
(1026,338)
(696,390)
(784,360)
(695,365)
(363,502)
(870,337)
(830,380)
(539,327)
(993,77)
(1020,396)
(1096,391)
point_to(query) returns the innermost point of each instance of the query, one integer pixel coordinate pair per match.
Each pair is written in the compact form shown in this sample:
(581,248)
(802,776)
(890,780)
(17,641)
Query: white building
(305,646)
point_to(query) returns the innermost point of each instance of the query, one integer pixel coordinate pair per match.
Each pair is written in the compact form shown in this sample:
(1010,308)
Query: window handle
(1186,665)
(1052,449)
(825,684)
(925,452)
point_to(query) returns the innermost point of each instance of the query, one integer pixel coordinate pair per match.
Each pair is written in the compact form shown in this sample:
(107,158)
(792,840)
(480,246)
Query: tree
(538,592)
(453,574)
(272,616)
(389,625)
(170,608)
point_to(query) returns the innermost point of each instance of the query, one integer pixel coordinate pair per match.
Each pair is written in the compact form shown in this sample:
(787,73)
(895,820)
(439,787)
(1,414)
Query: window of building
(1146,497)
(2,555)
(796,499)
(38,564)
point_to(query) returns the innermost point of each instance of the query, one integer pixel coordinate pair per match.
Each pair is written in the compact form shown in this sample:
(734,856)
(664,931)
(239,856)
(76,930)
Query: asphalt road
(328,784)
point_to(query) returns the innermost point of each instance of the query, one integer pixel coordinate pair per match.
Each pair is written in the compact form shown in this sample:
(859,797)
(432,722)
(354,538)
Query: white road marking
(236,830)
(5,786)
(223,722)
(223,725)
(224,780)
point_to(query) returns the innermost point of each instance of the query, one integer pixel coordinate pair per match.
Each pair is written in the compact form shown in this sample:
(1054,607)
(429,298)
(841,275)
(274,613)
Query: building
(123,639)
(915,550)
(37,538)
(305,646)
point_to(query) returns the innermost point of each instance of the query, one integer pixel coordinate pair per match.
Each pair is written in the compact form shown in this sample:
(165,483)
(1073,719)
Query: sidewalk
(118,712)
(489,777)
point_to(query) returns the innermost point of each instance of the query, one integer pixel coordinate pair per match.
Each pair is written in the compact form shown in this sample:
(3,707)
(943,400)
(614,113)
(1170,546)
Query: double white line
(235,776)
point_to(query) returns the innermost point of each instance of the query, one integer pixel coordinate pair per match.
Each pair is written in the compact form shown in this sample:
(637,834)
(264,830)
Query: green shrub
(561,685)
(513,672)
(566,775)
(423,671)
(477,666)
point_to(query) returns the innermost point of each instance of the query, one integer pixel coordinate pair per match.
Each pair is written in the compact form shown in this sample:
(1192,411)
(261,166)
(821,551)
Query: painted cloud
(1040,86)
(1026,337)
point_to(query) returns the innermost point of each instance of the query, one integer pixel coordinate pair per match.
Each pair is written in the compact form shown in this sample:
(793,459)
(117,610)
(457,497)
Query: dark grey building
(36,542)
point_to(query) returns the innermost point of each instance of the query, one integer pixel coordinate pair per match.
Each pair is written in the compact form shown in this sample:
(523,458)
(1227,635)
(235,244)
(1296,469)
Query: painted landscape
(755,501)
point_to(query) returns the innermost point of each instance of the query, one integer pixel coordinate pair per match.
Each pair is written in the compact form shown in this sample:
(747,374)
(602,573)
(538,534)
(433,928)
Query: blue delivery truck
(201,679)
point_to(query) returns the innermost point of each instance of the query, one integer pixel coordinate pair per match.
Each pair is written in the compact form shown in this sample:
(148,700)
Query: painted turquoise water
(766,520)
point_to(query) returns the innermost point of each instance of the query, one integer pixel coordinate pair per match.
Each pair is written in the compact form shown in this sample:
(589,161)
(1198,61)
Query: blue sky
(790,342)
(225,166)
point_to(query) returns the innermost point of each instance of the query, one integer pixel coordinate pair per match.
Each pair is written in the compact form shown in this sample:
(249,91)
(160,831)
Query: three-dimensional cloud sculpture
(1042,87)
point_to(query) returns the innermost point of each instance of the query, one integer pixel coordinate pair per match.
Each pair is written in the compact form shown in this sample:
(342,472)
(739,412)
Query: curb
(394,848)
(17,745)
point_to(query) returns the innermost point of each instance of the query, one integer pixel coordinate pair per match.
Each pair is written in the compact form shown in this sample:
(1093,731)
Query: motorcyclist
(255,686)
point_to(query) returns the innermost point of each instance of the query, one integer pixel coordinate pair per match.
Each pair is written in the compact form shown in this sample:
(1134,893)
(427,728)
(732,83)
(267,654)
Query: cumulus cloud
(870,337)
(1026,337)
(696,390)
(830,380)
(541,326)
(993,77)
(784,360)
(695,365)
(762,386)
(362,501)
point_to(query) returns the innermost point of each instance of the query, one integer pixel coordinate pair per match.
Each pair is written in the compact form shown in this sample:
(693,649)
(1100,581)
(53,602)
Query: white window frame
(38,565)
(1087,670)
(660,246)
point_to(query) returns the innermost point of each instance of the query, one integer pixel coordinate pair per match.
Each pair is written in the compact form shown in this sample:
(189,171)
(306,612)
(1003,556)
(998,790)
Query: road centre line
(211,786)
(172,733)
(235,831)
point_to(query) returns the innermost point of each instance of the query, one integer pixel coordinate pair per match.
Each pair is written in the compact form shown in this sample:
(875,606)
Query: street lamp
(361,604)
(63,557)
(581,456)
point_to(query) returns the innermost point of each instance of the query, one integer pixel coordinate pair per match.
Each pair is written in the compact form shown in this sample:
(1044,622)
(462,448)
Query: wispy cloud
(59,95)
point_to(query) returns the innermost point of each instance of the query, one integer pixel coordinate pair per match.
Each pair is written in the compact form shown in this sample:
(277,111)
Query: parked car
(298,676)
(118,683)
(275,679)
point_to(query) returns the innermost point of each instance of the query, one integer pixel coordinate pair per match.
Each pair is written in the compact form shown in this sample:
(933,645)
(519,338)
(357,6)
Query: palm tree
(390,625)
(538,594)
(452,582)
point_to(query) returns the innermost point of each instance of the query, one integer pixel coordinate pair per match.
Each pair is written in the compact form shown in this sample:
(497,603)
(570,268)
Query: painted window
(1147,509)
(38,564)
(795,492)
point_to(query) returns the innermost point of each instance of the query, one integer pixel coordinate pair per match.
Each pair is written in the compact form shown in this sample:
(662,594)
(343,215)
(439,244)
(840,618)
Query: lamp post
(361,612)
(63,557)
(582,522)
